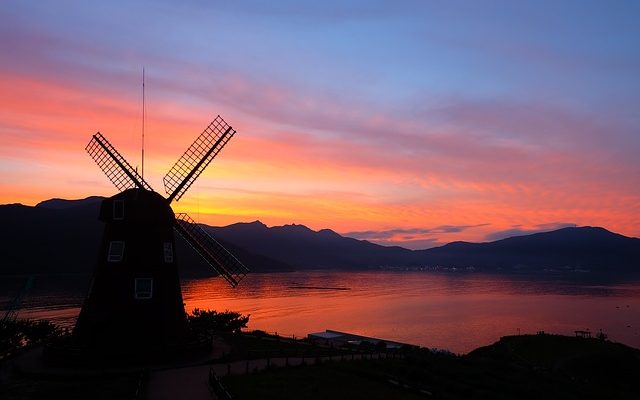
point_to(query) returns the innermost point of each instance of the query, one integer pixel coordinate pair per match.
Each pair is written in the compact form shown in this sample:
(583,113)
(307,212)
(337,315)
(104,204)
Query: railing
(142,384)
(217,387)
(242,367)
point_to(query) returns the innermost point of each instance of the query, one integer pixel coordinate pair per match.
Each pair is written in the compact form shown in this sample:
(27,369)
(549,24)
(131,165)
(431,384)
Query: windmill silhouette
(135,300)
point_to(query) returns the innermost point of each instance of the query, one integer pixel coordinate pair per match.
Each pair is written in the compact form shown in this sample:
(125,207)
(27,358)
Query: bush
(209,321)
(15,334)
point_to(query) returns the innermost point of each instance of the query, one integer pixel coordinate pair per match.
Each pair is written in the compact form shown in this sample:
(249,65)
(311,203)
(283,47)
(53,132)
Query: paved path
(185,383)
(181,383)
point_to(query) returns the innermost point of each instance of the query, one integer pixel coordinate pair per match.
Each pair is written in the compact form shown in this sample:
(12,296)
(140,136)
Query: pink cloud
(480,160)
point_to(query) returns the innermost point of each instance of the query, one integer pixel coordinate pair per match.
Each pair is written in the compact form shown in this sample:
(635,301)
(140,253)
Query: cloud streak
(413,238)
(409,232)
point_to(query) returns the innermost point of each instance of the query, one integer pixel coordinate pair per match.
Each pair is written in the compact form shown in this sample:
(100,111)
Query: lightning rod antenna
(143,115)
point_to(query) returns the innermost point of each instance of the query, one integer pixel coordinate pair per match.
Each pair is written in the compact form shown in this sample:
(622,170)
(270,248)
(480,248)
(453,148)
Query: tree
(209,321)
(15,334)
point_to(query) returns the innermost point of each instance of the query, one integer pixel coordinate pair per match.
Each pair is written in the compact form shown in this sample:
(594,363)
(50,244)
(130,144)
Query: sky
(412,123)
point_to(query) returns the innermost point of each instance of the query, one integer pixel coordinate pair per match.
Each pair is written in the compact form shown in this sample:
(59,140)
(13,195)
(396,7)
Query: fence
(254,365)
(242,367)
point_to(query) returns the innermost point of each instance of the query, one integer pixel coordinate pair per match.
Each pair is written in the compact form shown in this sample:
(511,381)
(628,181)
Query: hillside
(582,248)
(539,366)
(63,236)
(304,248)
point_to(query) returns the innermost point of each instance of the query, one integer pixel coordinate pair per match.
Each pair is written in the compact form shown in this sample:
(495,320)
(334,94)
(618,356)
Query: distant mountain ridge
(304,248)
(61,235)
(63,204)
(573,248)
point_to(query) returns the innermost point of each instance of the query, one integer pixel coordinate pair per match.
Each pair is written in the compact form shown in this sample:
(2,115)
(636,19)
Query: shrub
(15,334)
(209,321)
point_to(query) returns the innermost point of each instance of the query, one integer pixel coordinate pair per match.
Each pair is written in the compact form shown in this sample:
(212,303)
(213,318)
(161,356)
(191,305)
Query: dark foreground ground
(516,367)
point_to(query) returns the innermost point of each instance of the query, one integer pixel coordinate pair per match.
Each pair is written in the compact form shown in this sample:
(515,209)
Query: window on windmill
(118,209)
(168,252)
(116,251)
(143,288)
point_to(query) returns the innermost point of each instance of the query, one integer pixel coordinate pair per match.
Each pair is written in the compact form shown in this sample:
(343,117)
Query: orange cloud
(327,165)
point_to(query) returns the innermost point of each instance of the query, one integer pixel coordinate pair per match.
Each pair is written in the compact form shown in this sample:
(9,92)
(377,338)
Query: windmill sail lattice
(136,284)
(117,169)
(181,176)
(213,252)
(196,158)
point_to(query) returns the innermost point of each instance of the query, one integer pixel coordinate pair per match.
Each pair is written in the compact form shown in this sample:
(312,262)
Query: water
(458,312)
(57,298)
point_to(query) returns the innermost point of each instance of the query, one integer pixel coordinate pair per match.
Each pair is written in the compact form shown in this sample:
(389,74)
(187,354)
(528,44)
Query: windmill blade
(213,252)
(117,169)
(203,150)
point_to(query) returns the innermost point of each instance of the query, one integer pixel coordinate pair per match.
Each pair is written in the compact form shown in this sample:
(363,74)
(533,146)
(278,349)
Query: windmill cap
(136,206)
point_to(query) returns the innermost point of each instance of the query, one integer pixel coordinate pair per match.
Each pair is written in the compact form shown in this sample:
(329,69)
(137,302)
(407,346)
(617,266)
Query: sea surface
(454,311)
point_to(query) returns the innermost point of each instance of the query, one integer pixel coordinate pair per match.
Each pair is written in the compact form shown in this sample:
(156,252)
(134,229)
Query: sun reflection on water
(455,311)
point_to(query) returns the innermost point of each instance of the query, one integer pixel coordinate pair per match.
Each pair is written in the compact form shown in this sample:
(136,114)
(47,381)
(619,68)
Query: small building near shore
(336,338)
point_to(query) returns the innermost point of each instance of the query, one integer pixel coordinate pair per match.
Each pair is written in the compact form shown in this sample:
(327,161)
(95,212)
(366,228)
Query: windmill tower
(135,301)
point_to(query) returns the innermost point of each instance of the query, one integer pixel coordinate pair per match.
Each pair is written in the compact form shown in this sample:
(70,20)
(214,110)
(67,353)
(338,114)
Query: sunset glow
(415,125)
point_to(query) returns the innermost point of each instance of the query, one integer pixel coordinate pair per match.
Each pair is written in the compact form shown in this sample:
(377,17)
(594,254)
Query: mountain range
(60,235)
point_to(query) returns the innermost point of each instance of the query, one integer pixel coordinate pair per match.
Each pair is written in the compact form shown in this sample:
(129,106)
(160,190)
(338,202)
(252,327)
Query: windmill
(135,299)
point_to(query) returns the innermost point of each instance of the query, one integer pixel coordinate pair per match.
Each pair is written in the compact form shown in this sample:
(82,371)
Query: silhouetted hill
(43,240)
(588,248)
(598,368)
(304,248)
(62,204)
(63,236)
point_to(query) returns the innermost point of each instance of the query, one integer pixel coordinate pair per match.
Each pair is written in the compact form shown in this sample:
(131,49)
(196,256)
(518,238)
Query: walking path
(189,381)
(193,382)
(185,383)
(181,383)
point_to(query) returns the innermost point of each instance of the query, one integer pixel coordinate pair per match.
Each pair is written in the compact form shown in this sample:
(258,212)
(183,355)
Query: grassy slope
(324,381)
(522,367)
(516,367)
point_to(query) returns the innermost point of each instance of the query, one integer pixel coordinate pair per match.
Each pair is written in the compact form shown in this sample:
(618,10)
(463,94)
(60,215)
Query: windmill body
(135,303)
(135,295)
